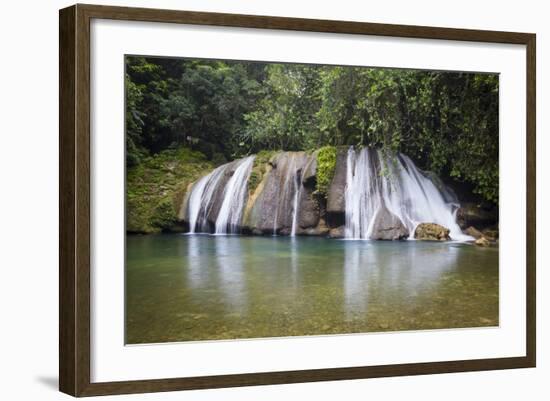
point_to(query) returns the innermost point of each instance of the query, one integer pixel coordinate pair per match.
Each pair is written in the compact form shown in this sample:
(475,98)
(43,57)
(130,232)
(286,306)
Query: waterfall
(208,202)
(230,214)
(376,180)
(362,194)
(195,202)
(385,197)
(297,184)
(290,167)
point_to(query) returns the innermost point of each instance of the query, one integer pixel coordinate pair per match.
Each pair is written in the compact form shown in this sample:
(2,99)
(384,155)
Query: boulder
(491,233)
(431,232)
(387,226)
(482,241)
(473,232)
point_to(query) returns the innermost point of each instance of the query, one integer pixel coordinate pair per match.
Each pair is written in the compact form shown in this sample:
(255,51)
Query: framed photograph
(250,200)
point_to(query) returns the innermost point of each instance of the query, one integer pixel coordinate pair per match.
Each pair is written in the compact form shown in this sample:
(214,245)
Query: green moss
(259,168)
(164,214)
(156,187)
(326,165)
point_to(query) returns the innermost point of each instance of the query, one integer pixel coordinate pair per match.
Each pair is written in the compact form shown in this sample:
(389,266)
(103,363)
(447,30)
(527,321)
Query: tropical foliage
(447,122)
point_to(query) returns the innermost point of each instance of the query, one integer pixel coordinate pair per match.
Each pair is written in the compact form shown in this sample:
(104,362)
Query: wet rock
(431,232)
(284,231)
(270,207)
(473,232)
(491,234)
(261,207)
(448,194)
(482,241)
(218,195)
(320,230)
(387,226)
(336,201)
(337,232)
(472,214)
(309,210)
(310,170)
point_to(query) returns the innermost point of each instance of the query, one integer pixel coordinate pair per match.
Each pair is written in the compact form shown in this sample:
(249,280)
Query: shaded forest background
(446,122)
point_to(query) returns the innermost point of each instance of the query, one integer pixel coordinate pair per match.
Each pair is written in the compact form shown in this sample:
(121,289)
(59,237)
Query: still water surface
(202,287)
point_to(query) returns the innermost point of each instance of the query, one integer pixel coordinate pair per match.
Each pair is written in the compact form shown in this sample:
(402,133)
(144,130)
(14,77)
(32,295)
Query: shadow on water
(199,287)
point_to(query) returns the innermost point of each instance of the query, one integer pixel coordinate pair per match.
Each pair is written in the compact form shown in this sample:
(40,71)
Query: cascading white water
(375,180)
(230,214)
(362,194)
(195,202)
(290,168)
(297,185)
(200,200)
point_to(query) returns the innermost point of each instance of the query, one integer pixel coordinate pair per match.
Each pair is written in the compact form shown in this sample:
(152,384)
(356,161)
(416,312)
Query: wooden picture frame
(74,204)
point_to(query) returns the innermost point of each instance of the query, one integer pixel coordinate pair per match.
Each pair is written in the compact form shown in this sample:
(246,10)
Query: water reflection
(207,287)
(231,279)
(380,272)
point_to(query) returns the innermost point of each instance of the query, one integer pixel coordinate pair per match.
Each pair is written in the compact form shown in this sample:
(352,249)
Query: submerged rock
(431,232)
(387,226)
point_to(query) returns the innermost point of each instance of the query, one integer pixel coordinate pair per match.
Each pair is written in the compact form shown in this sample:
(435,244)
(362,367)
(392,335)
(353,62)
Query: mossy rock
(157,186)
(431,232)
(326,166)
(259,168)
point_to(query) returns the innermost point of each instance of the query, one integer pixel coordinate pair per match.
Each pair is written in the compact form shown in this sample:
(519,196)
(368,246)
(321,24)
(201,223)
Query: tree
(447,122)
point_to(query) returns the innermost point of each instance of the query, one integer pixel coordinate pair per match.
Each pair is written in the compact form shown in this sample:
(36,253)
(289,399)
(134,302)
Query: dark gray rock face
(309,210)
(217,197)
(388,226)
(309,178)
(471,214)
(272,211)
(336,201)
(473,232)
(261,218)
(336,197)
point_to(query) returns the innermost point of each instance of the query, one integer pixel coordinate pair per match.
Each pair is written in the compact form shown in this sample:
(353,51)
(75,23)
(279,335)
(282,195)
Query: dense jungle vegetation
(446,122)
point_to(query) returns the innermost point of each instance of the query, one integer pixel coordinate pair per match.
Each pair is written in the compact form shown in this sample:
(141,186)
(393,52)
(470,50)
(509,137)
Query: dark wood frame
(74,202)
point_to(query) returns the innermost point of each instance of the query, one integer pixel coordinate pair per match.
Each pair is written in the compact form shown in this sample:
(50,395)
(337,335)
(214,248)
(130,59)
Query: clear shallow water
(201,287)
